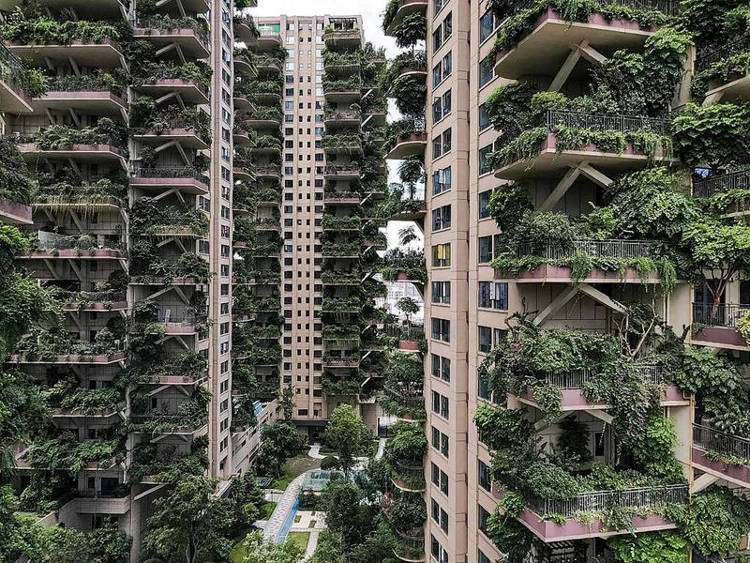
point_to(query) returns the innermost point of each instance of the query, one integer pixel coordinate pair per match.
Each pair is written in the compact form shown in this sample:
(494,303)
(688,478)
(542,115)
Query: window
(485,160)
(439,478)
(439,515)
(482,516)
(486,25)
(493,295)
(441,255)
(441,330)
(484,118)
(485,249)
(484,475)
(438,551)
(440,441)
(482,558)
(443,32)
(441,107)
(442,70)
(485,339)
(441,181)
(441,367)
(441,218)
(441,292)
(440,4)
(486,70)
(484,204)
(441,144)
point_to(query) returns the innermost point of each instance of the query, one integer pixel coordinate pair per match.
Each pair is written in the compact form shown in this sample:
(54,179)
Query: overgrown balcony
(94,301)
(722,72)
(348,171)
(406,138)
(187,416)
(186,179)
(255,304)
(721,325)
(405,20)
(406,515)
(408,266)
(342,33)
(343,144)
(188,368)
(191,80)
(190,34)
(349,305)
(342,90)
(721,453)
(17,83)
(404,453)
(341,359)
(343,118)
(563,139)
(536,37)
(147,268)
(342,249)
(191,127)
(265,144)
(346,223)
(267,40)
(265,91)
(245,28)
(91,246)
(72,403)
(271,65)
(260,357)
(727,192)
(332,198)
(150,217)
(53,346)
(99,92)
(346,64)
(264,117)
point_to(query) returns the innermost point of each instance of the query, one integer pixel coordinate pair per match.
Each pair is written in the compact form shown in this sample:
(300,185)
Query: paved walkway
(283,508)
(314,452)
(312,522)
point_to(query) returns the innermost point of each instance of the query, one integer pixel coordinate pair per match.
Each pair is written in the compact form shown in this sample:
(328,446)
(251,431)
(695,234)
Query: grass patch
(297,519)
(293,468)
(312,523)
(299,538)
(266,510)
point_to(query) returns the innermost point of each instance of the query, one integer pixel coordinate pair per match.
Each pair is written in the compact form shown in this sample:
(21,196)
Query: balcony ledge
(95,101)
(14,213)
(106,54)
(189,40)
(735,474)
(724,337)
(187,138)
(95,153)
(413,145)
(102,359)
(406,7)
(562,274)
(736,90)
(185,185)
(574,399)
(191,92)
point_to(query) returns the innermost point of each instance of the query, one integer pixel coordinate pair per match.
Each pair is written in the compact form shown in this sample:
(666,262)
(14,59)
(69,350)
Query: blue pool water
(281,536)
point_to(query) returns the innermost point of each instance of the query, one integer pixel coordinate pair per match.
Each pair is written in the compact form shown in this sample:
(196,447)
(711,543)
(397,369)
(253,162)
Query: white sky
(371,12)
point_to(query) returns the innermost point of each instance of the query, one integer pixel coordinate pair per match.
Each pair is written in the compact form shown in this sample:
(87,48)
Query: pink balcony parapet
(408,345)
(720,336)
(14,213)
(562,274)
(738,474)
(70,359)
(574,399)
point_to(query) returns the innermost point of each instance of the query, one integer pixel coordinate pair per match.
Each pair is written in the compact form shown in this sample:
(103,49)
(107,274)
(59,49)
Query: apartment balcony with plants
(342,34)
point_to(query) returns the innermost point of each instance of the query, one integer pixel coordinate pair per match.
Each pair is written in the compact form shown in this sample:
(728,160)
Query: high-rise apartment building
(327,173)
(127,115)
(567,304)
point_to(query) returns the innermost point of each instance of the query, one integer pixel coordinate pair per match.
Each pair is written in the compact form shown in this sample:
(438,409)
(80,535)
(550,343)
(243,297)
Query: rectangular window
(441,255)
(485,249)
(441,367)
(441,330)
(486,26)
(482,558)
(485,339)
(485,162)
(439,554)
(441,292)
(441,218)
(441,181)
(484,475)
(486,70)
(484,118)
(482,516)
(493,295)
(484,204)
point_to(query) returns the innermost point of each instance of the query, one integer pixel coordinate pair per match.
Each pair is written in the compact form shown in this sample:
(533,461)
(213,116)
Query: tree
(347,434)
(248,499)
(349,513)
(408,307)
(190,524)
(279,441)
(256,549)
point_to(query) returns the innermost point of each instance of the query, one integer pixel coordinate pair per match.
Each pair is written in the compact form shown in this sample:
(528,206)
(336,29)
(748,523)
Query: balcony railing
(651,373)
(176,314)
(613,248)
(603,122)
(728,444)
(724,314)
(709,57)
(671,7)
(12,70)
(604,501)
(169,172)
(737,180)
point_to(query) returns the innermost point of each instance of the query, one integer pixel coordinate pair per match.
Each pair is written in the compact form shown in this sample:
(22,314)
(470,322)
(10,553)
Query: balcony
(185,179)
(341,63)
(268,39)
(341,250)
(49,246)
(343,144)
(341,305)
(717,325)
(94,301)
(189,128)
(192,41)
(14,92)
(115,357)
(341,198)
(338,224)
(512,162)
(408,478)
(103,54)
(341,278)
(397,10)
(573,396)
(264,118)
(553,36)
(178,320)
(342,33)
(721,454)
(100,9)
(349,171)
(245,29)
(99,505)
(646,499)
(348,91)
(344,361)
(191,91)
(344,118)
(730,85)
(266,144)
(409,548)
(60,142)
(611,250)
(65,94)
(268,171)
(738,180)
(411,141)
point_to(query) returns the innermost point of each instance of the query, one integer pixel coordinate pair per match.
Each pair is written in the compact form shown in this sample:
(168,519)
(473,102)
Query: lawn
(299,538)
(294,467)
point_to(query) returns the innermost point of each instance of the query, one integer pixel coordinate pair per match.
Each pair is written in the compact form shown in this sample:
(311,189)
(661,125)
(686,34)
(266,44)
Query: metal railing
(651,373)
(728,444)
(12,70)
(708,57)
(736,180)
(169,172)
(604,501)
(671,7)
(724,314)
(176,314)
(606,122)
(612,248)
(333,169)
(155,24)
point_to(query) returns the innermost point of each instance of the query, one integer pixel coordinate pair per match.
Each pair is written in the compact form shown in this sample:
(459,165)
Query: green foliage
(348,514)
(347,434)
(16,183)
(45,30)
(657,547)
(256,549)
(279,441)
(715,135)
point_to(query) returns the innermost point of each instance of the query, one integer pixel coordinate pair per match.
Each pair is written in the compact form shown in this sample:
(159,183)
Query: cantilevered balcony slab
(190,91)
(573,400)
(193,44)
(96,307)
(70,359)
(349,96)
(187,138)
(721,454)
(74,254)
(102,103)
(14,213)
(268,40)
(547,47)
(106,415)
(717,326)
(737,90)
(343,38)
(349,171)
(260,124)
(550,162)
(405,8)
(86,153)
(412,145)
(106,54)
(101,506)
(92,9)
(12,98)
(185,179)
(160,281)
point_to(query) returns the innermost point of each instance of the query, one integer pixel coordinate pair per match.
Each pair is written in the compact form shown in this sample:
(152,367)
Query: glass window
(484,475)
(493,295)
(441,292)
(486,25)
(441,329)
(482,516)
(485,339)
(485,249)
(482,558)
(441,181)
(448,65)
(486,70)
(484,118)
(485,160)
(441,218)
(484,204)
